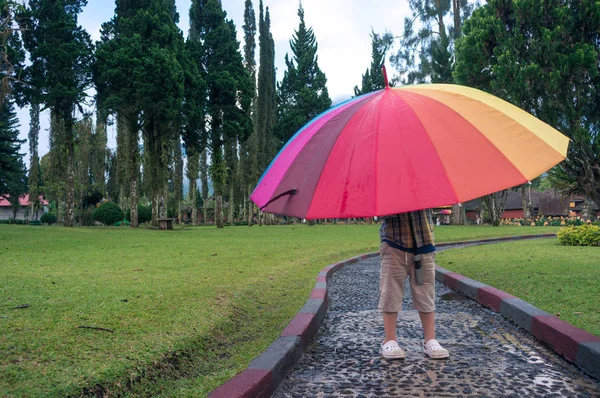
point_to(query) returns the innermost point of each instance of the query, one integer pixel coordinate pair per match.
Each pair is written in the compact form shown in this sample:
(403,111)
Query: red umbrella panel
(404,149)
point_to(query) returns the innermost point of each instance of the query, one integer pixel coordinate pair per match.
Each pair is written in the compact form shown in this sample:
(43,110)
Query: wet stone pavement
(489,356)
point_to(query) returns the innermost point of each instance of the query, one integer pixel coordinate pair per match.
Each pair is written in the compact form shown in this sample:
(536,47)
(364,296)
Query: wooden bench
(165,223)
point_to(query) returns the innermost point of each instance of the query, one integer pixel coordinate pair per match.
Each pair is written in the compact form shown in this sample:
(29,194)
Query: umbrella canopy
(446,212)
(404,149)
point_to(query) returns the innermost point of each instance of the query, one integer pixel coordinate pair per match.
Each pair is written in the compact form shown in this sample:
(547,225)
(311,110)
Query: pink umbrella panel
(404,149)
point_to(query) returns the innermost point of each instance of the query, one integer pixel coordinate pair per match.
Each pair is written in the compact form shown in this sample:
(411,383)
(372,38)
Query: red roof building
(6,211)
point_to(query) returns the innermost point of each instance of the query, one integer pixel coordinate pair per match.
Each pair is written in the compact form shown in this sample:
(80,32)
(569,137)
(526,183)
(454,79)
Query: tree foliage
(230,92)
(426,51)
(544,57)
(372,79)
(55,41)
(302,94)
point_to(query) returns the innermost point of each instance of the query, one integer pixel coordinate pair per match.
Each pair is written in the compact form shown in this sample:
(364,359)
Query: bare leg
(428,321)
(389,325)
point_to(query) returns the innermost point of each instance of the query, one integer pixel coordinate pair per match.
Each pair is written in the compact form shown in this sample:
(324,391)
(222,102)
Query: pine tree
(13,180)
(373,80)
(65,50)
(12,170)
(249,148)
(12,56)
(302,94)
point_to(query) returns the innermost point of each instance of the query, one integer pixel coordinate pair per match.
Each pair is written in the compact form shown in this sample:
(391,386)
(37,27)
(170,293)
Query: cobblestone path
(489,356)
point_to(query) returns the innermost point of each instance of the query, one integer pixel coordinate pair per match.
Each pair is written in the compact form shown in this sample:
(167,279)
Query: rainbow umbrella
(404,149)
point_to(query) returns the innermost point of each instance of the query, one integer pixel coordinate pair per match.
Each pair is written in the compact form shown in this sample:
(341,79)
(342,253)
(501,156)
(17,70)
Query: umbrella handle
(290,192)
(418,271)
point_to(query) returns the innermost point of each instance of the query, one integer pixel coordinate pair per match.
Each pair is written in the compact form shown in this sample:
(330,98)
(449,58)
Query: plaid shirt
(396,232)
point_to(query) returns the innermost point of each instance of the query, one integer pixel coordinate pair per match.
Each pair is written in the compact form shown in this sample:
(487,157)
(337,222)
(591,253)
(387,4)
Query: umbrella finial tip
(385,77)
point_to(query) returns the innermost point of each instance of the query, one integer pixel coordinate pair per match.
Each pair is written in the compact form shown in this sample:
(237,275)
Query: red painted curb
(318,294)
(560,335)
(248,384)
(260,382)
(492,297)
(452,278)
(300,326)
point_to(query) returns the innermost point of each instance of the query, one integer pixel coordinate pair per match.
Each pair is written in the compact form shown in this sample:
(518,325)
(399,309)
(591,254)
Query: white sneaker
(392,350)
(434,350)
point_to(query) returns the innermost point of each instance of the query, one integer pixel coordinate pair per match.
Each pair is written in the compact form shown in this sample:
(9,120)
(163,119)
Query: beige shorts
(396,265)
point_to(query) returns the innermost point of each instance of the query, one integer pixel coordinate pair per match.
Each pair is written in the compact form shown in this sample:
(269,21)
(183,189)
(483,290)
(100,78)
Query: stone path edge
(266,371)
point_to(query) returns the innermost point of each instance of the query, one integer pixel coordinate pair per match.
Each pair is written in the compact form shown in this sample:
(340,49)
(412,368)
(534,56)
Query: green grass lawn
(189,308)
(562,280)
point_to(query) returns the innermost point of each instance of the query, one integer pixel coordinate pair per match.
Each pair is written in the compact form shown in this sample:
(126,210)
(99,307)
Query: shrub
(85,217)
(584,235)
(144,214)
(108,213)
(48,218)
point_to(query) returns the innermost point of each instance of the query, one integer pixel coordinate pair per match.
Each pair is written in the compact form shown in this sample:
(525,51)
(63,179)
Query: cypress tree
(302,94)
(249,148)
(159,94)
(12,170)
(193,131)
(13,181)
(34,161)
(65,50)
(117,74)
(229,92)
(372,79)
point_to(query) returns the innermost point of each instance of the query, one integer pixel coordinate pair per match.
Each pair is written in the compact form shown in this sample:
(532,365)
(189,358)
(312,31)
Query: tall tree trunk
(122,158)
(204,181)
(58,209)
(69,145)
(34,133)
(456,215)
(525,202)
(193,200)
(494,206)
(230,205)
(587,212)
(192,174)
(250,213)
(219,209)
(165,200)
(134,201)
(440,18)
(133,169)
(70,200)
(456,14)
(178,180)
(99,151)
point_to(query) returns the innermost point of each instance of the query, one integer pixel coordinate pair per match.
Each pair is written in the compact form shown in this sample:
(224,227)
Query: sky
(341,28)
